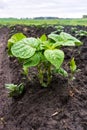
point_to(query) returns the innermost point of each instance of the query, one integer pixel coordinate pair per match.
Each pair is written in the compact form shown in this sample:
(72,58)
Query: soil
(61,106)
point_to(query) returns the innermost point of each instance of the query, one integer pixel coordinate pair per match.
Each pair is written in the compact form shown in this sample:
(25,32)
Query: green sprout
(73,68)
(15,90)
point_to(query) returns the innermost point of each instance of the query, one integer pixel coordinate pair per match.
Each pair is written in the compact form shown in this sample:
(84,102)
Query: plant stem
(49,75)
(44,74)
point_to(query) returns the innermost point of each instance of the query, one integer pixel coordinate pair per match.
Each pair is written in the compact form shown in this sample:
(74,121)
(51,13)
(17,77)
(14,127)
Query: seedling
(15,90)
(73,29)
(44,53)
(81,33)
(59,29)
(73,68)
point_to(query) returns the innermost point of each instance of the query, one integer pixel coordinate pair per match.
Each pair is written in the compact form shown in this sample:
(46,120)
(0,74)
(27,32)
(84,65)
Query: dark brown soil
(58,107)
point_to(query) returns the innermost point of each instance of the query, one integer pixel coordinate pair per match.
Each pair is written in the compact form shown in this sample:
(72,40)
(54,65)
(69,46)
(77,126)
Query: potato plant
(44,53)
(73,29)
(81,33)
(59,29)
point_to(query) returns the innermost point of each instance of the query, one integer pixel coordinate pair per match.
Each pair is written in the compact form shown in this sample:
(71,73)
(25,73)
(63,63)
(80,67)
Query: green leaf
(48,45)
(62,72)
(60,41)
(14,90)
(20,88)
(15,38)
(25,69)
(73,66)
(68,37)
(81,33)
(33,42)
(66,43)
(64,39)
(59,27)
(55,57)
(43,37)
(24,48)
(54,37)
(33,61)
(11,87)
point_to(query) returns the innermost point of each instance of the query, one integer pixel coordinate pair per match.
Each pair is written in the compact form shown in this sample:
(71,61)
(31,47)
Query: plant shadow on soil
(57,107)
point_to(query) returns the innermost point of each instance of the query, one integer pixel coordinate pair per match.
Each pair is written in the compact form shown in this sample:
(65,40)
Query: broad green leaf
(15,38)
(33,61)
(23,49)
(68,37)
(43,37)
(73,65)
(62,72)
(55,57)
(54,37)
(33,42)
(60,41)
(64,39)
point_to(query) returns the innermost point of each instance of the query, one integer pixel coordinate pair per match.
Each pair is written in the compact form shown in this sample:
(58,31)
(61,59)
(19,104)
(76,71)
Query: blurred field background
(26,21)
